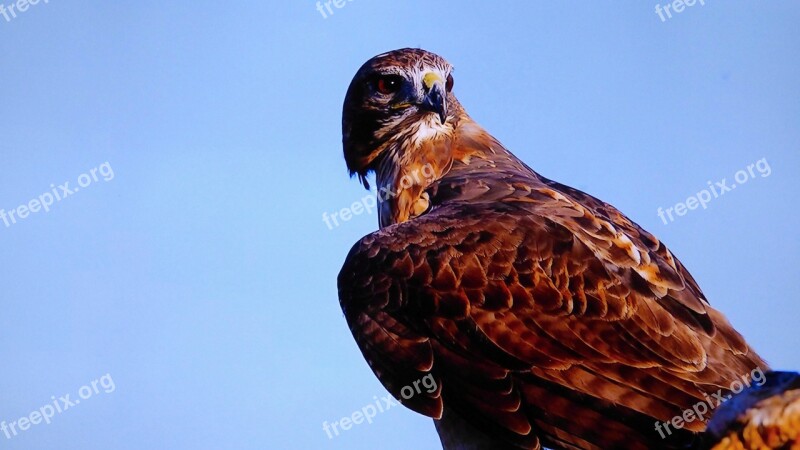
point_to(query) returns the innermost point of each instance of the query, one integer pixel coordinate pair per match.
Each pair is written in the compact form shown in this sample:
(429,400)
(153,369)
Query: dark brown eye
(388,84)
(449,83)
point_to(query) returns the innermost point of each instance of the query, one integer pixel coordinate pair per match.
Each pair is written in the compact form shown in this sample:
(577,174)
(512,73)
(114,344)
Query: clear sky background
(201,276)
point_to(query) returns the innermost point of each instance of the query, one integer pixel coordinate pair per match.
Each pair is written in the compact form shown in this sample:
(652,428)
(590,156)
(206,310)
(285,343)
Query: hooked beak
(435,97)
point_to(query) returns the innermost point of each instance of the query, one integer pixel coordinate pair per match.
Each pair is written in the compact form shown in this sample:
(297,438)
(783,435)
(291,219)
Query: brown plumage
(545,315)
(763,417)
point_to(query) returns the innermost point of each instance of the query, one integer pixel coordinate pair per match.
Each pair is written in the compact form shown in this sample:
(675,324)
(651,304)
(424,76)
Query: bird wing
(540,311)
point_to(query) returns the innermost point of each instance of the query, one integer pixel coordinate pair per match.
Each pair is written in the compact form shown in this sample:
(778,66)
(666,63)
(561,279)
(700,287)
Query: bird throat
(404,174)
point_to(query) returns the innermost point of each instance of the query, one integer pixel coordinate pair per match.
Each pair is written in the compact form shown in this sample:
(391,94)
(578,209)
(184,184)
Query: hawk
(545,316)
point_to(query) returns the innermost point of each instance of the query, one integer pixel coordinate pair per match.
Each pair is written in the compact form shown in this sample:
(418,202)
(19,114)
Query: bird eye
(388,84)
(449,83)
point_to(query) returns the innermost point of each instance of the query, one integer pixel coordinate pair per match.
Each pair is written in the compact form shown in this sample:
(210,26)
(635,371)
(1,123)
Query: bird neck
(424,155)
(410,164)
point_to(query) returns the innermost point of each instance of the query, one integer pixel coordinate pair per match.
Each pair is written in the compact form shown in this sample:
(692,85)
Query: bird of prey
(762,417)
(545,316)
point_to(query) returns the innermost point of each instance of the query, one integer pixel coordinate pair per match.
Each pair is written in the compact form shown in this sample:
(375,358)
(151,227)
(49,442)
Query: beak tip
(436,102)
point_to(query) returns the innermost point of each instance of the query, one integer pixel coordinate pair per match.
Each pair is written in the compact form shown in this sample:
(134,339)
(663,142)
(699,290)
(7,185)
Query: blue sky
(200,277)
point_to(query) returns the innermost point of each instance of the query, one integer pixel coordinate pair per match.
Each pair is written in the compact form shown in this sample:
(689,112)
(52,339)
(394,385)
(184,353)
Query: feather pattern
(546,316)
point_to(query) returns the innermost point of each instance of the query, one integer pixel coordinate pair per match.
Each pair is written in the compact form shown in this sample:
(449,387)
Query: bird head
(400,95)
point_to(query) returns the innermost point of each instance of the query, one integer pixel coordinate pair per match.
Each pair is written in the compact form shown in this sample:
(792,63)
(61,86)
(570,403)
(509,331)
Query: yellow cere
(430,78)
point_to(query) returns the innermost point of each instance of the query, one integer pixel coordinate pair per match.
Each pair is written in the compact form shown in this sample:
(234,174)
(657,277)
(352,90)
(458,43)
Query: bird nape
(545,316)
